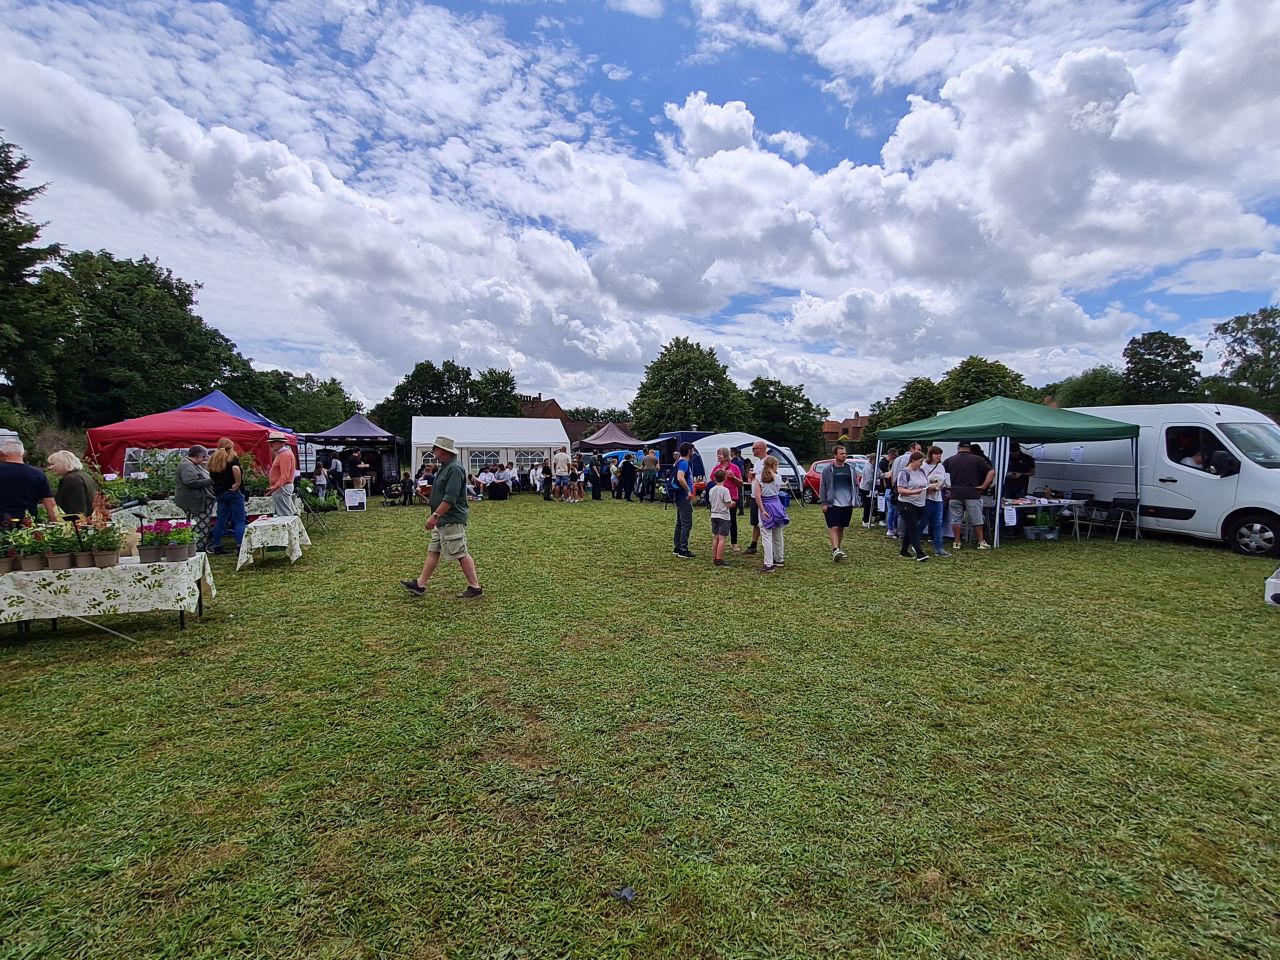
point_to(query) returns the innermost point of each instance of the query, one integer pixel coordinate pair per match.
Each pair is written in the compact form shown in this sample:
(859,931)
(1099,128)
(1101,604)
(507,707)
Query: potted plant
(7,553)
(185,534)
(175,543)
(154,537)
(60,545)
(83,551)
(106,545)
(29,543)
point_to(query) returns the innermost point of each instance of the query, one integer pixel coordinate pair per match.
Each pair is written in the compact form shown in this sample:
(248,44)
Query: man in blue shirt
(682,496)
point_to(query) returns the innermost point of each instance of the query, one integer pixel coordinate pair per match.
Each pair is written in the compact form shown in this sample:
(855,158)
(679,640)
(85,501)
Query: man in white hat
(448,522)
(280,481)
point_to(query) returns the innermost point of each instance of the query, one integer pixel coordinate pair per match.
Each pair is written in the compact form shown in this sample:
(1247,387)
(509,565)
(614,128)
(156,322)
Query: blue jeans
(932,517)
(231,516)
(891,513)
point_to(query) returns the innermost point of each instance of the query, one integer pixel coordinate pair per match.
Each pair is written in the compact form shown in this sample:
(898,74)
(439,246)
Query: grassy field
(1058,750)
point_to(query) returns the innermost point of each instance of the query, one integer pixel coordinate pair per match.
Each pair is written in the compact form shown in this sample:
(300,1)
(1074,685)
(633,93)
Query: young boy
(721,505)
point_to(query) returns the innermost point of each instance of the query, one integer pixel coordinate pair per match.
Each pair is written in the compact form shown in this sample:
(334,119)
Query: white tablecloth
(155,510)
(131,587)
(287,532)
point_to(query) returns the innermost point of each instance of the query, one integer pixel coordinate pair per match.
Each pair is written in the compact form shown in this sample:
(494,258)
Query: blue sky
(839,194)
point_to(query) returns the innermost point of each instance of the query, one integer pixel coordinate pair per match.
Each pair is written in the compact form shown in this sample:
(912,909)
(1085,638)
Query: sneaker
(866,525)
(686,555)
(891,535)
(736,548)
(720,563)
(838,554)
(471,593)
(765,570)
(412,587)
(941,553)
(922,558)
(750,549)
(984,545)
(778,564)
(675,553)
(883,524)
(955,545)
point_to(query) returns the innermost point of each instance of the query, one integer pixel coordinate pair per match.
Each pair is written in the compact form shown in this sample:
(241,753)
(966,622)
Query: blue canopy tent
(220,401)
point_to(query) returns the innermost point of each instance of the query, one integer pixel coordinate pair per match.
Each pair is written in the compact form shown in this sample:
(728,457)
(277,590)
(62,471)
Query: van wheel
(1255,535)
(810,496)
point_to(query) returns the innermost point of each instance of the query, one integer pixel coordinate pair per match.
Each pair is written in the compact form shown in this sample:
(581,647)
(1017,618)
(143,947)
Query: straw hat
(446,444)
(275,436)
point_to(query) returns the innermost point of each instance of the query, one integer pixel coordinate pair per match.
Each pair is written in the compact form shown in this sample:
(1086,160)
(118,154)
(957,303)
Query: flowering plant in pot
(184,534)
(60,544)
(155,536)
(28,542)
(106,545)
(82,554)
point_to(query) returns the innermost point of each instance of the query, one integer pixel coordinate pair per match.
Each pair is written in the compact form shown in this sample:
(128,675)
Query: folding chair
(1123,509)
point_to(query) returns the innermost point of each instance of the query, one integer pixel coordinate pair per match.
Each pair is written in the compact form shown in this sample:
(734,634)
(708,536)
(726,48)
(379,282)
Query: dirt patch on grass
(728,659)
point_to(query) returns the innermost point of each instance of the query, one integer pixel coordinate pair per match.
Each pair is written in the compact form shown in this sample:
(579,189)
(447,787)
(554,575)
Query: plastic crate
(1272,592)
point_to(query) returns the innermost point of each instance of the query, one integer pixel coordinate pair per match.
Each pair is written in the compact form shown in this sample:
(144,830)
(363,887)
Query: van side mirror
(1224,464)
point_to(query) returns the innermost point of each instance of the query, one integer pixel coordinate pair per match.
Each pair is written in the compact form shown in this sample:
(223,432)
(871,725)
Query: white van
(1206,470)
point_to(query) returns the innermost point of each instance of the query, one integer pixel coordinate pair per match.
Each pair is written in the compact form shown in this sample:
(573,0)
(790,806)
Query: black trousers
(911,515)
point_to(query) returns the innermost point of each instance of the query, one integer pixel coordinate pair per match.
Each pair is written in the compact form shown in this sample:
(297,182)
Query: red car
(813,477)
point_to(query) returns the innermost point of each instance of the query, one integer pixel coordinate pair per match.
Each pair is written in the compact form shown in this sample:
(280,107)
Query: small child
(721,505)
(773,515)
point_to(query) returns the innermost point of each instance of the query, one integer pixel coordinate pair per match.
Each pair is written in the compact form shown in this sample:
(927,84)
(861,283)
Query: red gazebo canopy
(177,428)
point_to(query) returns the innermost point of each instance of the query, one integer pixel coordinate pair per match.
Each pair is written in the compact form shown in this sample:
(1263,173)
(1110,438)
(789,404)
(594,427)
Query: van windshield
(1260,442)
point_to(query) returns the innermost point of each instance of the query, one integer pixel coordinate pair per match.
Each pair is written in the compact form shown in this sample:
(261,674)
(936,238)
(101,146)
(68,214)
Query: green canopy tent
(1002,421)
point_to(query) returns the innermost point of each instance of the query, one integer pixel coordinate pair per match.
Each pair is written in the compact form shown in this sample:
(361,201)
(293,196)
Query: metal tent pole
(1001,464)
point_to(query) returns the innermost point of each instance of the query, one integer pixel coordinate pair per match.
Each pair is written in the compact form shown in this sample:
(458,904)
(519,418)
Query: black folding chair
(1123,509)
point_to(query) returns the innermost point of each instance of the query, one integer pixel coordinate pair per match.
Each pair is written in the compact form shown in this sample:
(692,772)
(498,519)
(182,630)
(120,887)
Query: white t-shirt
(485,478)
(936,471)
(719,499)
(560,464)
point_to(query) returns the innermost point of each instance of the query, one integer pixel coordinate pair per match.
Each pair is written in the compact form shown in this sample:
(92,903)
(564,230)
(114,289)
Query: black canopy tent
(361,433)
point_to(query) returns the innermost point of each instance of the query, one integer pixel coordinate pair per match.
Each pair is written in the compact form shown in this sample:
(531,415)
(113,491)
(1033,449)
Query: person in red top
(733,482)
(280,481)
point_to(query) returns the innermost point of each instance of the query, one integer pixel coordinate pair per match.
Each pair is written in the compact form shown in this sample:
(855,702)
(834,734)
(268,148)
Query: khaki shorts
(959,510)
(449,540)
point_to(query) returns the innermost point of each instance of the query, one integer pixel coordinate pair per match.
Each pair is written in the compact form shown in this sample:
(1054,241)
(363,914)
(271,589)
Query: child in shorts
(721,506)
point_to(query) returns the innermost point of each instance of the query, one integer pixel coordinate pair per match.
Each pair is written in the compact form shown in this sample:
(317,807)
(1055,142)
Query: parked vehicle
(1205,470)
(813,476)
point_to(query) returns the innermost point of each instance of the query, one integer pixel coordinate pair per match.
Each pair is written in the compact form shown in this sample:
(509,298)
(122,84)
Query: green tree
(975,379)
(782,413)
(1251,351)
(1100,386)
(26,332)
(493,394)
(426,391)
(687,384)
(599,414)
(876,420)
(130,342)
(1159,368)
(919,398)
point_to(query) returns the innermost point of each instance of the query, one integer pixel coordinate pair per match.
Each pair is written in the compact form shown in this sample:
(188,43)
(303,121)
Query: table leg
(182,619)
(200,605)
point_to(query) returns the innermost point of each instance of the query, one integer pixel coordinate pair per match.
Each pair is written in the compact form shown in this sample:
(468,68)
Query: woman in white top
(913,488)
(939,480)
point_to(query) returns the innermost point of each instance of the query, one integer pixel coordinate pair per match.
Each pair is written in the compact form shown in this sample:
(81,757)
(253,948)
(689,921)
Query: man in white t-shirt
(484,479)
(560,464)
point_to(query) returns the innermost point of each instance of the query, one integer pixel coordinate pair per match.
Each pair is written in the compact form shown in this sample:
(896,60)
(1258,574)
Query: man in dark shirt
(22,487)
(1022,467)
(971,478)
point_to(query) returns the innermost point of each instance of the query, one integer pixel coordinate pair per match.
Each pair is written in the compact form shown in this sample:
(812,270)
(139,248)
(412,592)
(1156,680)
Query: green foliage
(304,403)
(1250,346)
(599,414)
(686,385)
(21,332)
(1160,368)
(24,424)
(448,390)
(975,379)
(783,414)
(919,398)
(1101,386)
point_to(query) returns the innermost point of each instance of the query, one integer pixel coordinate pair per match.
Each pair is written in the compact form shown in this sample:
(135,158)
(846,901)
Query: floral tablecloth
(131,587)
(287,532)
(168,510)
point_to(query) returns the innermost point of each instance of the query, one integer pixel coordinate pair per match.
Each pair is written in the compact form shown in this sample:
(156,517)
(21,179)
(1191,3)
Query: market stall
(175,430)
(1002,421)
(369,441)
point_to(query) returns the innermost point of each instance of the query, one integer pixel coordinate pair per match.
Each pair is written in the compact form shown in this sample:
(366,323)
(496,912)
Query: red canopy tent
(176,429)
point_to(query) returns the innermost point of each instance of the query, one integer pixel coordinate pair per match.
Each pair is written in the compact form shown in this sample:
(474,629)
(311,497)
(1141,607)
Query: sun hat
(275,436)
(446,444)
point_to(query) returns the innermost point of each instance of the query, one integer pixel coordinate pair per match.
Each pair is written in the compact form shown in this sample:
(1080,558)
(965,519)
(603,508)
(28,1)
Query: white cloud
(357,193)
(650,9)
(615,72)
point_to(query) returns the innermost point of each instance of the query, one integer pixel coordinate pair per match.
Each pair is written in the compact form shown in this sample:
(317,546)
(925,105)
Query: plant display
(106,538)
(28,540)
(59,538)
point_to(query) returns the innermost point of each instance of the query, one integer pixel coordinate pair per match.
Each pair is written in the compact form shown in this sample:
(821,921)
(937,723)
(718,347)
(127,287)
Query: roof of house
(477,432)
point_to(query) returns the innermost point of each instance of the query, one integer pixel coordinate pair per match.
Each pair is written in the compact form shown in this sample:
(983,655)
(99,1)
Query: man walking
(838,494)
(971,477)
(447,523)
(682,496)
(280,480)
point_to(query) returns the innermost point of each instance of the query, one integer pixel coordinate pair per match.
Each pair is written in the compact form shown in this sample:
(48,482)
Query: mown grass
(1059,750)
